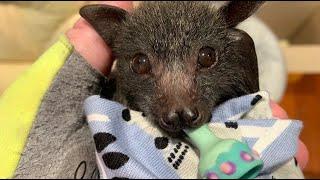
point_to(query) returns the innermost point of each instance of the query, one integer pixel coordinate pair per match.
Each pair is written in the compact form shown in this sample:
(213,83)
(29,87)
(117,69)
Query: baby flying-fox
(176,61)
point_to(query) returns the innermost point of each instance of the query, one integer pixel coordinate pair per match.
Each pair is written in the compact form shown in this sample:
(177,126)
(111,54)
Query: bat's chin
(173,132)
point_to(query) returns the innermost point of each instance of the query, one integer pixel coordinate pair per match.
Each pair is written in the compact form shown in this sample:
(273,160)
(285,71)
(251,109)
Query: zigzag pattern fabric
(130,146)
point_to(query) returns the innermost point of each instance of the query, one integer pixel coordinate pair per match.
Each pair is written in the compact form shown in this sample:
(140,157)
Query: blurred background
(286,35)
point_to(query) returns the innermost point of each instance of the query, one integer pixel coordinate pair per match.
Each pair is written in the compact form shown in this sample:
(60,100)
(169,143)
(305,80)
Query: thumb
(89,43)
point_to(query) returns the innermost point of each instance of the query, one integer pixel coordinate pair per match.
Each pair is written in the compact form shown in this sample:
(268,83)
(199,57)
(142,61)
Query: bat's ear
(105,19)
(235,12)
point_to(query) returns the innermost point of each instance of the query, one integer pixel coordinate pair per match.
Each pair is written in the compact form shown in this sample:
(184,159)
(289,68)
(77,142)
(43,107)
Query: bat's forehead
(170,29)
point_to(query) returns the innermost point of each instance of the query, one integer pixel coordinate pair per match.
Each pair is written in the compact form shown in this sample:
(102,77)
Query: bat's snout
(177,119)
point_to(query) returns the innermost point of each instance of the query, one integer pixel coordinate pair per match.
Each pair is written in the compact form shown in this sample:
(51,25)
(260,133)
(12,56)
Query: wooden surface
(302,101)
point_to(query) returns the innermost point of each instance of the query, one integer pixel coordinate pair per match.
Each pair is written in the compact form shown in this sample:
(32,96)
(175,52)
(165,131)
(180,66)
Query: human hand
(302,154)
(89,43)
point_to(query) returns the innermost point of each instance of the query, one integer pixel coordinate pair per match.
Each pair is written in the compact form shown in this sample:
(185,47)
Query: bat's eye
(207,57)
(140,64)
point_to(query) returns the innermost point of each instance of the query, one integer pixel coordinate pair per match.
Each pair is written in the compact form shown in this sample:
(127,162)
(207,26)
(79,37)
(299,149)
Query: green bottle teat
(223,158)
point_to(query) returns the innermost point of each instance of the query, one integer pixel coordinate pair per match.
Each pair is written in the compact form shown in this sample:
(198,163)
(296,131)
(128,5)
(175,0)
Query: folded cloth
(130,146)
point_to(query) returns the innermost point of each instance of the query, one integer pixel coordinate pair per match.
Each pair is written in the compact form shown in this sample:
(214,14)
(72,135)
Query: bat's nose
(189,117)
(171,122)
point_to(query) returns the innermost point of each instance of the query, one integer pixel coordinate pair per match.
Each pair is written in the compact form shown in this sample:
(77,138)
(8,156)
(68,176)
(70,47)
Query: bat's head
(175,61)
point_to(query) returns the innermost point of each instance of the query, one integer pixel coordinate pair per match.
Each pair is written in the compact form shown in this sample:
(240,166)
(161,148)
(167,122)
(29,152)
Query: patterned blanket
(130,146)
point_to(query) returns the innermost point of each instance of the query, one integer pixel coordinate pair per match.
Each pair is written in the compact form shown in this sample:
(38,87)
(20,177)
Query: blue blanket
(130,146)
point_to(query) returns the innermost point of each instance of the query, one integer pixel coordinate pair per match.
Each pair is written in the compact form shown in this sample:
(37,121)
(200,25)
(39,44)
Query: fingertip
(302,155)
(81,23)
(89,43)
(126,5)
(91,46)
(277,111)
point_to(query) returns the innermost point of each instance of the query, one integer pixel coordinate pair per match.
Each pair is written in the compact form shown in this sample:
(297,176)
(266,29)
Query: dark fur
(171,34)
